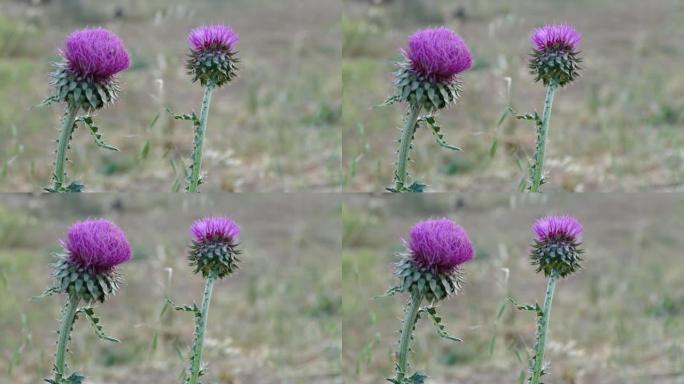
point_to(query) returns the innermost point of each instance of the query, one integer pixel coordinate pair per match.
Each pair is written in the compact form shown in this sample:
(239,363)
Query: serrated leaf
(48,292)
(75,378)
(527,307)
(416,378)
(436,131)
(437,322)
(89,313)
(93,129)
(47,101)
(416,186)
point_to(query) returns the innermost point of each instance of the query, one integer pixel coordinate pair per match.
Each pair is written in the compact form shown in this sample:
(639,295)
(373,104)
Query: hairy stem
(542,330)
(542,133)
(200,130)
(67,130)
(201,324)
(64,331)
(406,335)
(405,147)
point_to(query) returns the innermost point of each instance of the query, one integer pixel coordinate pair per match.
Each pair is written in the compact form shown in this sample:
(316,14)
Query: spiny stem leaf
(436,131)
(89,313)
(527,307)
(93,129)
(437,322)
(74,378)
(186,308)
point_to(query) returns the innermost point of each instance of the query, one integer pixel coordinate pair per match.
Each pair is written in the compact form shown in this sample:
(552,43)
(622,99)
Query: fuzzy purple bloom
(208,36)
(98,244)
(557,227)
(215,228)
(439,244)
(96,53)
(438,53)
(561,35)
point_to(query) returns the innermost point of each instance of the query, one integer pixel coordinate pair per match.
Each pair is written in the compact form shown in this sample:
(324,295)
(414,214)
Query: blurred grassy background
(619,127)
(620,320)
(275,128)
(277,320)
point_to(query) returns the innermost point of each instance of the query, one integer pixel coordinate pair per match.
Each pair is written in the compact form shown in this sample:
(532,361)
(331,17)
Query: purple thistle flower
(437,53)
(439,244)
(215,228)
(96,53)
(208,36)
(557,227)
(560,35)
(97,244)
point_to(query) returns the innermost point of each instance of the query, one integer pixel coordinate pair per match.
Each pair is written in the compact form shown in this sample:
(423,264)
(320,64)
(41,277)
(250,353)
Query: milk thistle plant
(86,272)
(554,61)
(427,80)
(213,62)
(214,254)
(85,80)
(556,252)
(430,271)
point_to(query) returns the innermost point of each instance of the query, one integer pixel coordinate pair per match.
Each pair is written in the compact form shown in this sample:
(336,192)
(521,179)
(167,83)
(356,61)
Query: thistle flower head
(552,228)
(215,228)
(556,245)
(86,78)
(214,247)
(554,56)
(438,54)
(213,57)
(95,53)
(93,250)
(440,245)
(428,79)
(559,35)
(211,36)
(97,244)
(431,266)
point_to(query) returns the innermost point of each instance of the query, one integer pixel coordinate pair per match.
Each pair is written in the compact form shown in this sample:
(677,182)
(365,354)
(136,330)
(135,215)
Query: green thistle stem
(406,335)
(542,133)
(542,330)
(405,147)
(200,130)
(65,328)
(62,147)
(196,357)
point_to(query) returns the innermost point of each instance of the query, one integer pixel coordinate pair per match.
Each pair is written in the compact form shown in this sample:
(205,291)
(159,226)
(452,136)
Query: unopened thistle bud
(86,78)
(434,253)
(214,246)
(213,57)
(554,57)
(556,247)
(87,268)
(428,78)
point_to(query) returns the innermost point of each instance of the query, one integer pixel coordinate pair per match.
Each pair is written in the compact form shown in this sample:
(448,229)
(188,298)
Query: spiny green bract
(217,257)
(431,285)
(216,64)
(81,92)
(561,257)
(556,64)
(85,283)
(419,91)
